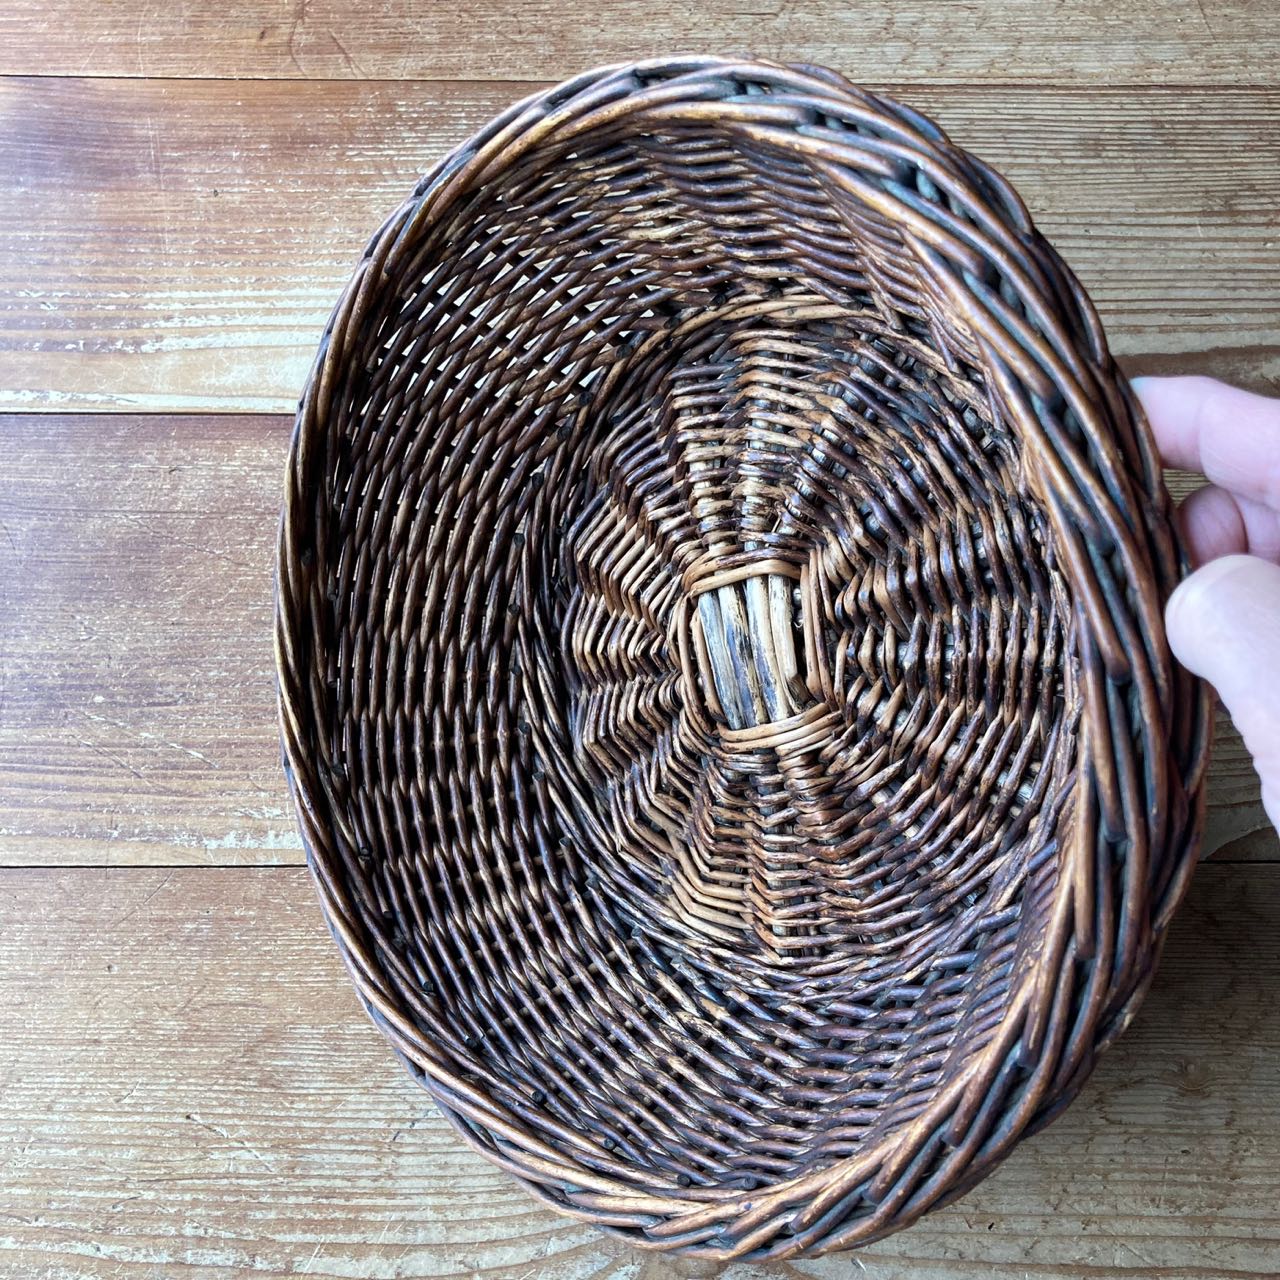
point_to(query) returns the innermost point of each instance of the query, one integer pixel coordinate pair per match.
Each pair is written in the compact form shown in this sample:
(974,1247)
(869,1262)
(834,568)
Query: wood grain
(137,716)
(177,245)
(137,721)
(190,1090)
(1090,41)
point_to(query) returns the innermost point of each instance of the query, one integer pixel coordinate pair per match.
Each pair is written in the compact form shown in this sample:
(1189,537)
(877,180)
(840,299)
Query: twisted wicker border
(1144,725)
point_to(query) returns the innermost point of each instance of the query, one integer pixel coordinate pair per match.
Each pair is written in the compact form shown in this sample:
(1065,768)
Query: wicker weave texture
(722,674)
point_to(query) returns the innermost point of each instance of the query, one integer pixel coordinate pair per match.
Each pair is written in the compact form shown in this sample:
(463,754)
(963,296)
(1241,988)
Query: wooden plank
(191,1090)
(177,245)
(137,723)
(1180,41)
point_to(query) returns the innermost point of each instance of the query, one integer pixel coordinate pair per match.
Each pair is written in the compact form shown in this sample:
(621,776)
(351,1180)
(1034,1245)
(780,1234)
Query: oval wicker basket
(722,674)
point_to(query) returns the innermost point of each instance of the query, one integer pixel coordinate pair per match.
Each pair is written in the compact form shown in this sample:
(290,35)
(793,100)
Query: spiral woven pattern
(722,675)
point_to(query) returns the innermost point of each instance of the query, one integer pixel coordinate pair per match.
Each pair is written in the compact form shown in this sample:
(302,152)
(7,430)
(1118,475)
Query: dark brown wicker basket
(722,674)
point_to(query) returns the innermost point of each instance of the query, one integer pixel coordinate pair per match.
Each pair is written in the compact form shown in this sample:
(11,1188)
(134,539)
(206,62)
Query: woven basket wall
(722,674)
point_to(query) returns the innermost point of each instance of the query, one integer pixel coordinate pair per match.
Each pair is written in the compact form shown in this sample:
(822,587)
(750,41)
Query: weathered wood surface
(177,245)
(137,722)
(1089,41)
(190,1091)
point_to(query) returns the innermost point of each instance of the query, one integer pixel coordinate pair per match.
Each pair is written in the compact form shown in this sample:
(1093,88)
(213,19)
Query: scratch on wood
(239,1142)
(1204,17)
(137,906)
(299,17)
(115,760)
(352,65)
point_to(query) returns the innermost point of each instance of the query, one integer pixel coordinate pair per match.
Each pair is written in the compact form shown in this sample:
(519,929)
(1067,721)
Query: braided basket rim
(1056,1020)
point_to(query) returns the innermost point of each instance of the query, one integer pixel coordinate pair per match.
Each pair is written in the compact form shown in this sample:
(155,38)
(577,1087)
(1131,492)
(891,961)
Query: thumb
(1224,624)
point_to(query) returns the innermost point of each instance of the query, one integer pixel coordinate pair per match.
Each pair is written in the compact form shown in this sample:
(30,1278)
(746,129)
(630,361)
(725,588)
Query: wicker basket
(722,675)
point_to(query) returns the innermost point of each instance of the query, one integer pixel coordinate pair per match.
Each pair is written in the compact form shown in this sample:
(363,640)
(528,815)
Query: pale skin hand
(1224,620)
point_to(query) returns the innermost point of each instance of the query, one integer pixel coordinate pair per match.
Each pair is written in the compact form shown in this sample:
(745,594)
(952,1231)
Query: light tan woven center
(750,659)
(794,636)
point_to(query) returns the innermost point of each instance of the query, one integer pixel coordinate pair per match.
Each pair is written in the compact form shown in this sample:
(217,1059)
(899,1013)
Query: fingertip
(1189,615)
(1271,801)
(1167,404)
(1223,622)
(1157,390)
(1212,525)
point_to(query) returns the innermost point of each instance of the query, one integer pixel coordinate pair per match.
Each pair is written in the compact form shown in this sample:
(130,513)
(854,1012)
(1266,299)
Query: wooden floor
(187,1087)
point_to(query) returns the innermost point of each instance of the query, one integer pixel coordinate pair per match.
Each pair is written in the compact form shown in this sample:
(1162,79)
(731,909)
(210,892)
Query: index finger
(1232,436)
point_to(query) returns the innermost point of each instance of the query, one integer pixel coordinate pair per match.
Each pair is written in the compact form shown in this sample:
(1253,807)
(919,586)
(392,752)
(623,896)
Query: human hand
(1224,620)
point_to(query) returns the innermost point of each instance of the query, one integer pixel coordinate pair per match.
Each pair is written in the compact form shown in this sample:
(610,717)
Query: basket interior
(698,663)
